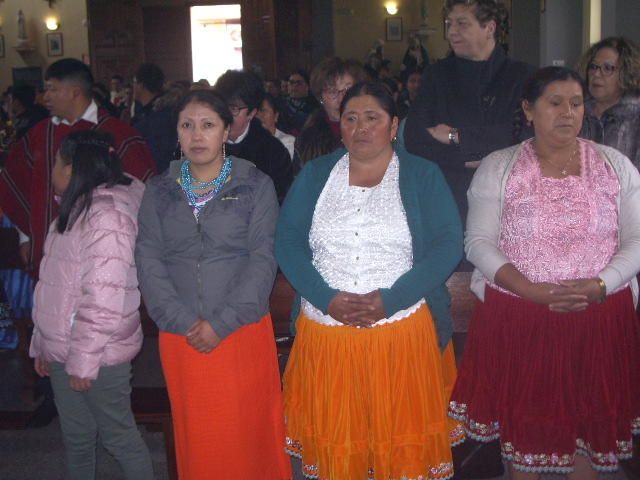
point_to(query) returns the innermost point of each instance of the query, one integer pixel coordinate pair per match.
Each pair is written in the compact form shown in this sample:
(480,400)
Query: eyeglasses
(334,92)
(236,109)
(606,69)
(296,82)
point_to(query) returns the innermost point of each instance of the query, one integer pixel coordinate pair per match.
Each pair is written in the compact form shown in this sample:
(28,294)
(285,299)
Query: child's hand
(42,367)
(79,384)
(202,337)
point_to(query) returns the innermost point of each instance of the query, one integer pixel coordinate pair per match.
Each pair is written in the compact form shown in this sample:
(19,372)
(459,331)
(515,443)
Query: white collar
(241,137)
(90,115)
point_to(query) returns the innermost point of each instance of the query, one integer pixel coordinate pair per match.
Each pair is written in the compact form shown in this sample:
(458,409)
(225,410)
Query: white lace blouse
(359,237)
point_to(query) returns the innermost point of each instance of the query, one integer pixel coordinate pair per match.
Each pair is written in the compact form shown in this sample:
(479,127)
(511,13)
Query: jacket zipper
(198,272)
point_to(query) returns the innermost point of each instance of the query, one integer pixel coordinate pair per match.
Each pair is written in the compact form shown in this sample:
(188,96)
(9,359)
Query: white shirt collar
(90,115)
(241,137)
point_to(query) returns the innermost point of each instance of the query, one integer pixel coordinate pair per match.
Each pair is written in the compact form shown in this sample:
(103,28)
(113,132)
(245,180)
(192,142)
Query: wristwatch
(453,136)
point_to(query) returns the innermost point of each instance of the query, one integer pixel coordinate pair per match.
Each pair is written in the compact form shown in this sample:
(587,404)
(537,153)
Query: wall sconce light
(391,7)
(52,23)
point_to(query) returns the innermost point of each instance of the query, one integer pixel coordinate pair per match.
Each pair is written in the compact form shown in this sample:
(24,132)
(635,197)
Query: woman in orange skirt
(206,268)
(368,237)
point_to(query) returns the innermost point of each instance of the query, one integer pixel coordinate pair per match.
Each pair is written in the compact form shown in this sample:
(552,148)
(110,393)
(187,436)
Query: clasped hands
(566,295)
(357,310)
(202,337)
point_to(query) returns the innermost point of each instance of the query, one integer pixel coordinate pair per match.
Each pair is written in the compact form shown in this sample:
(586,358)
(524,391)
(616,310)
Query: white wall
(75,37)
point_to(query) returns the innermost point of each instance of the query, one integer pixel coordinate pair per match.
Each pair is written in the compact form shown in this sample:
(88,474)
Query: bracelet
(603,289)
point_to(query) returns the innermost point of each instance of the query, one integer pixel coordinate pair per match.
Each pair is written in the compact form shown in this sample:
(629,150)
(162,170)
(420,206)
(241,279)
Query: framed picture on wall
(394,29)
(1,46)
(54,45)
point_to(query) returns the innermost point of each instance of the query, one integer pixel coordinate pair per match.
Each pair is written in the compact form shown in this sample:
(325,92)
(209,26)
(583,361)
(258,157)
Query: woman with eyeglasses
(330,80)
(612,112)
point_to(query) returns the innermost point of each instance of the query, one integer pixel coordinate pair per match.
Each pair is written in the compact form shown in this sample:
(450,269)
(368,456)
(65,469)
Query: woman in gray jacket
(206,269)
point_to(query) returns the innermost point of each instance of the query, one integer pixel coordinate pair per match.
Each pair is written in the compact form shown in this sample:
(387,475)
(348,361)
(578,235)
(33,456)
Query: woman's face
(268,116)
(201,133)
(332,95)
(604,76)
(367,129)
(60,175)
(469,39)
(557,115)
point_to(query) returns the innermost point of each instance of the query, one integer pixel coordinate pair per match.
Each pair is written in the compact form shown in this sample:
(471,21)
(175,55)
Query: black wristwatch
(453,136)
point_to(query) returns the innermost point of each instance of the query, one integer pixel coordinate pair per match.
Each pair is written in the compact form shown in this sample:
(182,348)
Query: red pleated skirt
(227,406)
(551,385)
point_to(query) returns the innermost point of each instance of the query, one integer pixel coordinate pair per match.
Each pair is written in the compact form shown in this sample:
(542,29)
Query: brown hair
(629,54)
(484,11)
(328,70)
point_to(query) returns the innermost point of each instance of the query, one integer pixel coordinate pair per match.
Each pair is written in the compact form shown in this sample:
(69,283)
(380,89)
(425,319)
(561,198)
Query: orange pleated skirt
(227,406)
(371,403)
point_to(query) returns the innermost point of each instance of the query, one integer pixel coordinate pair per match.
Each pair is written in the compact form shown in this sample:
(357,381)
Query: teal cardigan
(436,234)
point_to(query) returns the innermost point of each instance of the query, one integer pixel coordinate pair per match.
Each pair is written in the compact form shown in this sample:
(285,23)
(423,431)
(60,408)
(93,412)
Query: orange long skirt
(371,403)
(227,406)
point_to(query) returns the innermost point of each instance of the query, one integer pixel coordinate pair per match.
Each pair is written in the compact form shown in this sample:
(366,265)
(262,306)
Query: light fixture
(391,7)
(52,23)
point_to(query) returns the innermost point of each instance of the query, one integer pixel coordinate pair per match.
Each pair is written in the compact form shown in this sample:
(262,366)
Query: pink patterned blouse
(559,229)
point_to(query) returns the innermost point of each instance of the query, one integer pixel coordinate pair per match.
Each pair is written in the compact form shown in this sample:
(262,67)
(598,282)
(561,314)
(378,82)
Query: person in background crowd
(86,319)
(330,80)
(156,118)
(467,102)
(117,95)
(25,113)
(148,84)
(284,87)
(298,105)
(413,81)
(268,114)
(248,139)
(612,114)
(550,364)
(101,97)
(206,268)
(368,237)
(272,87)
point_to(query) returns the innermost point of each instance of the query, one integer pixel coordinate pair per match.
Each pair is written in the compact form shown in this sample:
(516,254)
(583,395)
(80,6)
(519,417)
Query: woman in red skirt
(550,365)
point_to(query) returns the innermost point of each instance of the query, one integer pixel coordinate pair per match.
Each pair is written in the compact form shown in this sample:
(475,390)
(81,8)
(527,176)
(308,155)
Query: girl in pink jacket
(85,314)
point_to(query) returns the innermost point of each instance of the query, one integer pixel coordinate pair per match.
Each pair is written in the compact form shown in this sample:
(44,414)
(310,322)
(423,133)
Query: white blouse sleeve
(625,264)
(483,220)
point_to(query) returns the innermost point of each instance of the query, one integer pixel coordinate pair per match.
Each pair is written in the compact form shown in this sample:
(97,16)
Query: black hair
(535,86)
(302,72)
(485,11)
(117,77)
(270,99)
(151,77)
(376,89)
(241,85)
(93,162)
(71,70)
(24,93)
(210,98)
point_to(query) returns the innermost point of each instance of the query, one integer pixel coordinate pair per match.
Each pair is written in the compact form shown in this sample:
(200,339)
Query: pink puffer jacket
(86,302)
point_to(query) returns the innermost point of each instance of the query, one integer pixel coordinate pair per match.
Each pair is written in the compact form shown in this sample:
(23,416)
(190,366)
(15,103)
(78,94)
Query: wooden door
(116,42)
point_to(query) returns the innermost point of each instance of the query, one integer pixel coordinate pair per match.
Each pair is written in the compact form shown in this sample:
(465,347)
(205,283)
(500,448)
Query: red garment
(549,384)
(26,190)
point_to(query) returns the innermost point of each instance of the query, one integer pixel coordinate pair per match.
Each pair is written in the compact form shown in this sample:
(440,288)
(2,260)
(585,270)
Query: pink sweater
(86,302)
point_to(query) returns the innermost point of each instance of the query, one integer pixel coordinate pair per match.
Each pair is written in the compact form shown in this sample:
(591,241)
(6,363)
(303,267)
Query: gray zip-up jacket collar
(219,268)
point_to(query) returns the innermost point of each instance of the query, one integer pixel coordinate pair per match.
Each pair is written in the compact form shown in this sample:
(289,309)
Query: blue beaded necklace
(189,184)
